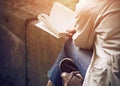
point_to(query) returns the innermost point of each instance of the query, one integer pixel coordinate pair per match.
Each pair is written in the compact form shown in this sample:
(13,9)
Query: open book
(60,19)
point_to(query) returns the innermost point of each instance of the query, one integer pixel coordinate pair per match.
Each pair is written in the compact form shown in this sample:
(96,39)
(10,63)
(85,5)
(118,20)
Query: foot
(50,83)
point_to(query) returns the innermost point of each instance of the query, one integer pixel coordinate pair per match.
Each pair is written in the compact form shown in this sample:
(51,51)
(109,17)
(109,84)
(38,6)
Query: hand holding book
(70,33)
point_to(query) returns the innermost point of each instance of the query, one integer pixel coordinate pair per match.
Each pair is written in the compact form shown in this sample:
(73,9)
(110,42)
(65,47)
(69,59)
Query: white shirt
(98,27)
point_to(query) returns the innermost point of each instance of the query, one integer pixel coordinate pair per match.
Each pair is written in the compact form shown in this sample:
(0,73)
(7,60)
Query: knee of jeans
(67,45)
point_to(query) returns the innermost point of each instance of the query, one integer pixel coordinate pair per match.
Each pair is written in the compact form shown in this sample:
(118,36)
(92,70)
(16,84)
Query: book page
(46,19)
(43,26)
(62,17)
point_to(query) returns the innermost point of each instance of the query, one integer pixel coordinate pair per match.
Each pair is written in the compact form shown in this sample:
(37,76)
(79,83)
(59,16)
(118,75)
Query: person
(94,44)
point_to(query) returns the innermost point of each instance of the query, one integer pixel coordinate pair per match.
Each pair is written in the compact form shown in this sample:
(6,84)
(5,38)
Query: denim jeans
(81,58)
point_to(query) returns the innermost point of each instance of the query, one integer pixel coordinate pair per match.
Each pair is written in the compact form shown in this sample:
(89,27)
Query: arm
(108,39)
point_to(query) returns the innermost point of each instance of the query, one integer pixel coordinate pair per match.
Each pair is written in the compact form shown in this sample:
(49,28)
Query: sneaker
(67,65)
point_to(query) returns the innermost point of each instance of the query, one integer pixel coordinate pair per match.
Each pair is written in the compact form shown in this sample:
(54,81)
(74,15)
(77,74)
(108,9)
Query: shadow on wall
(6,81)
(12,59)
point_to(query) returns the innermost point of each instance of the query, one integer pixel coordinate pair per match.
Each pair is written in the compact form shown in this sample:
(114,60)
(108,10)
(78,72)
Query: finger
(71,31)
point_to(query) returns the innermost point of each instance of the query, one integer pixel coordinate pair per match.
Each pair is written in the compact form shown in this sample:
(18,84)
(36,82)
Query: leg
(80,57)
(54,73)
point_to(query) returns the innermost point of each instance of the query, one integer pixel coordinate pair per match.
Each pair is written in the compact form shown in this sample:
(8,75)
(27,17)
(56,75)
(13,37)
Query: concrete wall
(12,59)
(26,52)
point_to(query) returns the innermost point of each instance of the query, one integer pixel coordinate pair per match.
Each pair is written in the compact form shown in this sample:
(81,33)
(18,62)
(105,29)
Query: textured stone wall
(12,59)
(26,52)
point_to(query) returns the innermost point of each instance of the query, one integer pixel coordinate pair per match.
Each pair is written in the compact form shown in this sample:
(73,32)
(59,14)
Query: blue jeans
(81,58)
